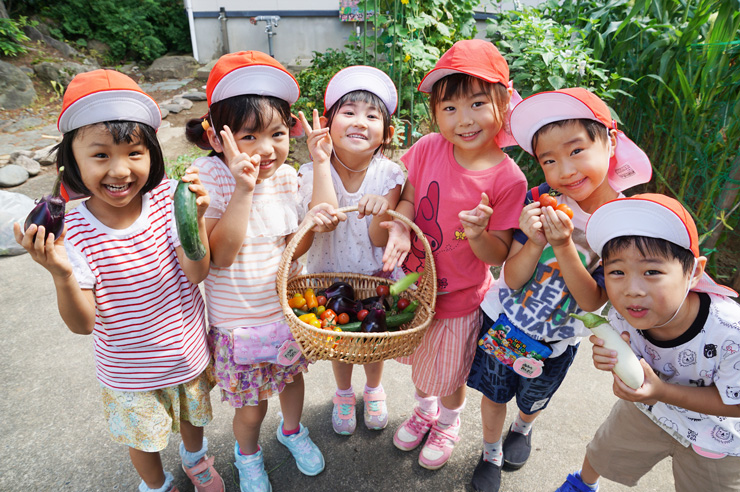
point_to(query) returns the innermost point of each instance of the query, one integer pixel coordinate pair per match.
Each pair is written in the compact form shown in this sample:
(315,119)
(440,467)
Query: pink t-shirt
(442,189)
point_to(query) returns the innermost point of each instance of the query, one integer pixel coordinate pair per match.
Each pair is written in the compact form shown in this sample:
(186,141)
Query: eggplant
(49,211)
(340,289)
(342,304)
(370,301)
(374,321)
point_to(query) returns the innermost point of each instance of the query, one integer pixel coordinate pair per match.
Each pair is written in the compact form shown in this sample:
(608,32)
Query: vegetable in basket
(404,283)
(374,321)
(339,289)
(342,304)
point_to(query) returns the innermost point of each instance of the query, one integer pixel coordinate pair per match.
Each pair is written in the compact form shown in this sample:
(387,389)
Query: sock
(249,454)
(168,479)
(189,459)
(493,453)
(377,389)
(428,405)
(448,417)
(521,426)
(291,431)
(348,392)
(593,486)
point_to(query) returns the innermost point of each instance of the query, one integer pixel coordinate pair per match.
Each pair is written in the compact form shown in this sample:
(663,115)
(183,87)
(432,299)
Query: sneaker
(376,411)
(486,476)
(308,458)
(438,446)
(517,448)
(252,474)
(205,478)
(410,434)
(343,418)
(574,484)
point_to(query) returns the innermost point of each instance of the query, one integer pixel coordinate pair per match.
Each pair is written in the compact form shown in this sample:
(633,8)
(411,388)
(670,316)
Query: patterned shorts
(144,420)
(246,385)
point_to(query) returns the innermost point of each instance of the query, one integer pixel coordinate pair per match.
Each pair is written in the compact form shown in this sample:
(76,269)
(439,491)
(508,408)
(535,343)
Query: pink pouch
(271,343)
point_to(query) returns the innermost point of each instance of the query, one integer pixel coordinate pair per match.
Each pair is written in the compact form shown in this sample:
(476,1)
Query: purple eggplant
(49,211)
(342,304)
(374,321)
(370,301)
(340,289)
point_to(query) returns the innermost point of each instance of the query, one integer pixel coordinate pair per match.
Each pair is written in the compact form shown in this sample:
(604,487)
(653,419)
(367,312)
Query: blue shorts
(499,383)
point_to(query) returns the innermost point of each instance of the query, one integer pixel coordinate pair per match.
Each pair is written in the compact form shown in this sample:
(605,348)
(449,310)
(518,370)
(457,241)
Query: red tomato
(548,201)
(361,315)
(328,313)
(383,290)
(343,319)
(403,303)
(565,209)
(321,300)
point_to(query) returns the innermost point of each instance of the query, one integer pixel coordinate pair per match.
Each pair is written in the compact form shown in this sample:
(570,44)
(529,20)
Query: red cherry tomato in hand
(565,209)
(343,319)
(361,314)
(548,201)
(383,290)
(403,303)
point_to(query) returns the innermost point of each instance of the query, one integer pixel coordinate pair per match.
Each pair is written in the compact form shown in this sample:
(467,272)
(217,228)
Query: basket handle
(427,281)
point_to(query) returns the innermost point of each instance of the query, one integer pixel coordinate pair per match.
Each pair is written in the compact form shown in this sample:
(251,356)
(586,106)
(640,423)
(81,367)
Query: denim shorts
(499,383)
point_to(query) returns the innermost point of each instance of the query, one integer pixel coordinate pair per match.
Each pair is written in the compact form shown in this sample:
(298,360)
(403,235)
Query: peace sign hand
(244,168)
(318,139)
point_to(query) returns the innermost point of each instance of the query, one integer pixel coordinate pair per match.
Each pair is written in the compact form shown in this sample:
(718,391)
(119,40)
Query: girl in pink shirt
(454,176)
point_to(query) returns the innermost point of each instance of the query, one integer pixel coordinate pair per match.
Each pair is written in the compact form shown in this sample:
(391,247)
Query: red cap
(105,95)
(649,215)
(475,57)
(250,72)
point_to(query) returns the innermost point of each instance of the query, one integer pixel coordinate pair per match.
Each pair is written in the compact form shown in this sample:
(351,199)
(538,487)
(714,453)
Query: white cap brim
(361,78)
(261,80)
(111,105)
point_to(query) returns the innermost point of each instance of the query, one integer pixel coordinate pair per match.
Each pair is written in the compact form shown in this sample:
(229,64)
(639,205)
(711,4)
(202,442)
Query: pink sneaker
(204,476)
(376,411)
(410,434)
(439,446)
(343,418)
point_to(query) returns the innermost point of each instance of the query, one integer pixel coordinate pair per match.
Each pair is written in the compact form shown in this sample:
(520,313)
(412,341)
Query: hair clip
(205,125)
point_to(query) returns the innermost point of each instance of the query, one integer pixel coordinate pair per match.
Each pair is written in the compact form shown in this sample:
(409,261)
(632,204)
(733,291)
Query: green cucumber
(393,321)
(186,220)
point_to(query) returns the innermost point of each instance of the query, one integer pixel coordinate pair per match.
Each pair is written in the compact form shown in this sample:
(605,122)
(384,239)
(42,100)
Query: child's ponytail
(196,132)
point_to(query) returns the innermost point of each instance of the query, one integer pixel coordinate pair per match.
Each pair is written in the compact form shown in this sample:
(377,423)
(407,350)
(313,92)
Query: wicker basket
(357,348)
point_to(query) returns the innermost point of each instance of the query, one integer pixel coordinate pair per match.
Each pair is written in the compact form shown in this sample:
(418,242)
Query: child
(452,176)
(253,215)
(359,102)
(528,341)
(685,328)
(121,275)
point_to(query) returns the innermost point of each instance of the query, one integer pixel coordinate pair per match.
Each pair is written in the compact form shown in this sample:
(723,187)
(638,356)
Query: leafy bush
(141,29)
(12,35)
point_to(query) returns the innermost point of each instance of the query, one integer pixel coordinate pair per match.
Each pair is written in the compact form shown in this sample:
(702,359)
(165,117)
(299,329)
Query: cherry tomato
(565,209)
(343,319)
(328,313)
(361,315)
(321,300)
(403,303)
(548,201)
(383,290)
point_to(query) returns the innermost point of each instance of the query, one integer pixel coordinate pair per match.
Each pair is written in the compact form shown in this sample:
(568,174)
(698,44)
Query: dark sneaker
(516,449)
(486,476)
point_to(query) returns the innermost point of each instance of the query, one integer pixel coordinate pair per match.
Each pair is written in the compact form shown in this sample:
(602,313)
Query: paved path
(54,438)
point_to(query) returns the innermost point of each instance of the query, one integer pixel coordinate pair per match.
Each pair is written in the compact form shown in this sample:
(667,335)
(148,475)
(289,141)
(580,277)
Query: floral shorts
(144,420)
(247,384)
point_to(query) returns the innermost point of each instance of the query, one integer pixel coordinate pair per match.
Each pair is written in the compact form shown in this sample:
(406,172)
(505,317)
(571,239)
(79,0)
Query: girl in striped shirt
(121,275)
(253,214)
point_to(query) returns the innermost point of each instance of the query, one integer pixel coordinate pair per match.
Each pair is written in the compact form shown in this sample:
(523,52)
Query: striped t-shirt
(149,319)
(244,294)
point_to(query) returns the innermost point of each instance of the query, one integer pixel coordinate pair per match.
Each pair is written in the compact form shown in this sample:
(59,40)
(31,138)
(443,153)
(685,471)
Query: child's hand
(318,139)
(244,168)
(604,359)
(324,217)
(398,245)
(650,391)
(475,221)
(371,205)
(557,226)
(50,254)
(530,223)
(203,200)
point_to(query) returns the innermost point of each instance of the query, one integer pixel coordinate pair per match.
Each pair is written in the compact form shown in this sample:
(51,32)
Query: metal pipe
(224,30)
(271,22)
(191,23)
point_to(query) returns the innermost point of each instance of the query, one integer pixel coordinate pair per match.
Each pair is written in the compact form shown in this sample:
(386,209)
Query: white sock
(428,405)
(493,453)
(448,417)
(168,479)
(348,392)
(377,389)
(521,426)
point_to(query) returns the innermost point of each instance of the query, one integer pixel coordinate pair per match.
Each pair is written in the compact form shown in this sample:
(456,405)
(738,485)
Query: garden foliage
(12,36)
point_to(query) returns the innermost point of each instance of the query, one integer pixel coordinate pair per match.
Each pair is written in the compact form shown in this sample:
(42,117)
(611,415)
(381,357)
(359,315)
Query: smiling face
(271,143)
(575,163)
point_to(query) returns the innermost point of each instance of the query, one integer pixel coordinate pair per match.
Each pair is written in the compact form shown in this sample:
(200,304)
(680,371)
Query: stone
(24,124)
(165,112)
(30,165)
(171,67)
(61,73)
(195,96)
(98,46)
(171,107)
(182,102)
(204,71)
(20,153)
(40,33)
(16,88)
(46,156)
(12,175)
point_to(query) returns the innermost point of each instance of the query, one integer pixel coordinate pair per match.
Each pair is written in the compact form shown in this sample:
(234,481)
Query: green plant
(175,169)
(12,36)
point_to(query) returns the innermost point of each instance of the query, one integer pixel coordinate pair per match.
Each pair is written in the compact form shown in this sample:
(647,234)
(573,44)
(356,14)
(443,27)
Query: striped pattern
(150,328)
(244,294)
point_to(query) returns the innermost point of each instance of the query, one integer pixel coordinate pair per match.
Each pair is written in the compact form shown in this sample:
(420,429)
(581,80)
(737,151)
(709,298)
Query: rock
(23,124)
(171,67)
(20,153)
(165,124)
(182,102)
(99,47)
(46,156)
(165,112)
(12,175)
(37,35)
(204,71)
(30,165)
(171,107)
(129,69)
(16,88)
(195,96)
(61,73)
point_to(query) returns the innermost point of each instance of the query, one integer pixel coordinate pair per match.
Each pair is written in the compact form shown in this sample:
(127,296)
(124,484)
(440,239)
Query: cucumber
(186,220)
(393,321)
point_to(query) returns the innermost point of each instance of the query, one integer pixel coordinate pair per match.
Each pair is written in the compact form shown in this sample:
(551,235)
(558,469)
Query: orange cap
(250,72)
(475,57)
(106,95)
